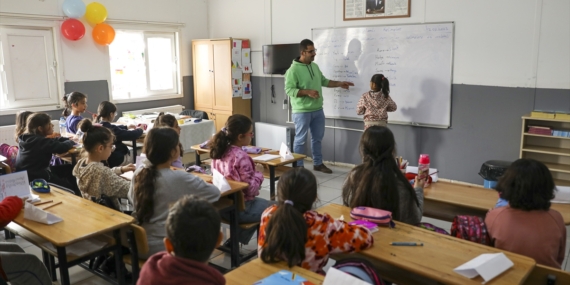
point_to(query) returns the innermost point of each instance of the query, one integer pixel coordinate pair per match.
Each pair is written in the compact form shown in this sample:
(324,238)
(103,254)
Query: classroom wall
(510,57)
(86,65)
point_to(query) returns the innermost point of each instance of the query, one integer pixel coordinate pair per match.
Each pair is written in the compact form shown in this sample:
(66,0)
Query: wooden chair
(540,274)
(135,239)
(5,168)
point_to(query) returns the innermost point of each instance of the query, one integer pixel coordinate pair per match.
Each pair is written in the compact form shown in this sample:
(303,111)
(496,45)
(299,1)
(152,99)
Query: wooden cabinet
(212,67)
(553,151)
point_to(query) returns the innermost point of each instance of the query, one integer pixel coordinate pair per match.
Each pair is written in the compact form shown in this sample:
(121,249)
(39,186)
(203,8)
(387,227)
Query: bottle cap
(424,158)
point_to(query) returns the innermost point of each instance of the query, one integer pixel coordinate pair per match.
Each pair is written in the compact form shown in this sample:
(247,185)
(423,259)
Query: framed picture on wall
(375,9)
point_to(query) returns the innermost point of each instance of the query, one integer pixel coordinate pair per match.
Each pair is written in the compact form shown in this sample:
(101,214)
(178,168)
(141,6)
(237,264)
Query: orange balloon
(103,34)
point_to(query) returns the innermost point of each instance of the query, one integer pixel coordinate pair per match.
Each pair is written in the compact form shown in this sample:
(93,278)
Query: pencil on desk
(52,205)
(41,203)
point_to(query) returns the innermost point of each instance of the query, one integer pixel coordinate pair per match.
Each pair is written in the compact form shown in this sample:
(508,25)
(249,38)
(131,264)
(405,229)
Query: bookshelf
(553,151)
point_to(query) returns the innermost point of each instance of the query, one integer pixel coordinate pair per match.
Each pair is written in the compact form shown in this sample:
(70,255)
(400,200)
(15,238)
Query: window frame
(152,29)
(54,50)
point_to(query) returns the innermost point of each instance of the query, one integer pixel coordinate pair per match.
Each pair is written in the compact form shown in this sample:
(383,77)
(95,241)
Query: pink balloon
(72,29)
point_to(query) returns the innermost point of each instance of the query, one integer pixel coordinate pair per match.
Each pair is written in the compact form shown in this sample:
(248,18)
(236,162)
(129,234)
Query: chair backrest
(195,114)
(138,240)
(361,269)
(10,152)
(5,168)
(540,275)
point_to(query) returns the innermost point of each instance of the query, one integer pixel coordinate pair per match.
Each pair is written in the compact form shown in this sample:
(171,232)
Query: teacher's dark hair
(375,182)
(305,44)
(527,185)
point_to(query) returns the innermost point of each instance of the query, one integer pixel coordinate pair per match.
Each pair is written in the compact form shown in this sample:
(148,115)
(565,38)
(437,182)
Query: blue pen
(407,243)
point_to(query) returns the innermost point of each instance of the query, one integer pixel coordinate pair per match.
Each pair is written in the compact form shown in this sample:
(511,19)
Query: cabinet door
(221,119)
(222,75)
(202,56)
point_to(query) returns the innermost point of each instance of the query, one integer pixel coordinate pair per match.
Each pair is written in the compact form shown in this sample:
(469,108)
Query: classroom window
(29,76)
(144,65)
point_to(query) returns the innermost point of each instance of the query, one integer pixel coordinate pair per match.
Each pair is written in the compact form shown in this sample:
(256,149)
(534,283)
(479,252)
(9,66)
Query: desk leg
(272,183)
(234,224)
(119,258)
(63,270)
(295,163)
(198,162)
(49,265)
(73,160)
(134,151)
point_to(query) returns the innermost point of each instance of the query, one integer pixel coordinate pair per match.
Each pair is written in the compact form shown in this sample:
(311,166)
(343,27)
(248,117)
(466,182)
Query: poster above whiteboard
(375,9)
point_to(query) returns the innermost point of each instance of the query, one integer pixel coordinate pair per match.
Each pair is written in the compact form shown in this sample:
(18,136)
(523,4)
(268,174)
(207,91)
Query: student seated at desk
(17,266)
(378,181)
(35,152)
(170,121)
(527,225)
(155,186)
(291,231)
(121,155)
(94,178)
(185,260)
(235,164)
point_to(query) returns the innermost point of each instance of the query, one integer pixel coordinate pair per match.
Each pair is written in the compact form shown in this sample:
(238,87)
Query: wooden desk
(235,194)
(82,219)
(434,262)
(256,270)
(272,164)
(445,200)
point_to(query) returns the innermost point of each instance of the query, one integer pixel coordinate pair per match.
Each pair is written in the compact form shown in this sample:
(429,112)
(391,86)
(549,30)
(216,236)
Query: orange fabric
(325,236)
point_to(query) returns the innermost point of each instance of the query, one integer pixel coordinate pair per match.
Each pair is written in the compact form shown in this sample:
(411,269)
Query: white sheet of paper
(246,90)
(140,160)
(34,213)
(414,169)
(337,277)
(266,157)
(285,152)
(562,196)
(245,56)
(220,181)
(15,184)
(236,57)
(488,265)
(246,68)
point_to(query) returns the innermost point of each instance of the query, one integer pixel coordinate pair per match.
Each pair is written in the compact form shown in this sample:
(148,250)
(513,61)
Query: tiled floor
(329,191)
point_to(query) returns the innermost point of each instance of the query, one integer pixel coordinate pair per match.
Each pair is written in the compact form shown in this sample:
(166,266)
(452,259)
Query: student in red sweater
(185,260)
(16,266)
(527,225)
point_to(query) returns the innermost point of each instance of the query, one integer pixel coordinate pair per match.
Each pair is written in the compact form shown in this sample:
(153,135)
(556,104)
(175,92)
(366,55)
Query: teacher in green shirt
(303,84)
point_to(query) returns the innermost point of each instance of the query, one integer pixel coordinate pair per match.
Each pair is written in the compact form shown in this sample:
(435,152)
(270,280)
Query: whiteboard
(417,59)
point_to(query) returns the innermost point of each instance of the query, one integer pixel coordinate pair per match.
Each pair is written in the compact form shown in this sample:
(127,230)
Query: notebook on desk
(284,277)
(266,157)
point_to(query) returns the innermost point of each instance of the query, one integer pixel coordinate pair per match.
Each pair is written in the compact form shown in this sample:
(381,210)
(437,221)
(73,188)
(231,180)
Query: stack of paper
(542,114)
(562,116)
(538,130)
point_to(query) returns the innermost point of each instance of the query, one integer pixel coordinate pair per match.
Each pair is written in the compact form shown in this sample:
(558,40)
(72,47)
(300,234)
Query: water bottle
(423,167)
(62,127)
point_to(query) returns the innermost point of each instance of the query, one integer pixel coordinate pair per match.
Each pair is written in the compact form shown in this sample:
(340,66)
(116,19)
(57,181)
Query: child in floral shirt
(291,231)
(376,103)
(235,164)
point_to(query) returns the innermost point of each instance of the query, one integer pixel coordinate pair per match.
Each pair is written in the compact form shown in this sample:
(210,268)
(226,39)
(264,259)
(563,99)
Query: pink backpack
(471,228)
(377,216)
(10,152)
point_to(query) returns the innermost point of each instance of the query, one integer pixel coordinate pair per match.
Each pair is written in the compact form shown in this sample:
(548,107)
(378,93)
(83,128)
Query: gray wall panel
(552,100)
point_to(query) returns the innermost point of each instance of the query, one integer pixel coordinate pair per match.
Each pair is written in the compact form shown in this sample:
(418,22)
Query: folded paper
(220,181)
(337,277)
(285,152)
(34,213)
(266,157)
(488,265)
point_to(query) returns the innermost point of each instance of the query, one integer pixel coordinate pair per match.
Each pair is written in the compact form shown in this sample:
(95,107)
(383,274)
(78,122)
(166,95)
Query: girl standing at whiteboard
(376,103)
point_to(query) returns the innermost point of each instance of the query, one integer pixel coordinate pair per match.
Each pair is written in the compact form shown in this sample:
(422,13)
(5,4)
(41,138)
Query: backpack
(10,152)
(471,228)
(361,269)
(430,227)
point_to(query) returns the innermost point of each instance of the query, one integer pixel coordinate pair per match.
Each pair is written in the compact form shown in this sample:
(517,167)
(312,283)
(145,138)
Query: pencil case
(251,149)
(377,216)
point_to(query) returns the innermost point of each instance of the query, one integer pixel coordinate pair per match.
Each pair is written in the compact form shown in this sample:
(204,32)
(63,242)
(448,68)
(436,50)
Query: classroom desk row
(275,165)
(445,200)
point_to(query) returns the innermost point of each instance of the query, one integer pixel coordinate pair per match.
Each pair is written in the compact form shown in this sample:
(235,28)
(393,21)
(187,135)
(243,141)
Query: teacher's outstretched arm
(341,84)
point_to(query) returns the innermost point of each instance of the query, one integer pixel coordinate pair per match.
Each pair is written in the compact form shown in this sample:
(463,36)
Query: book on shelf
(539,130)
(542,114)
(561,133)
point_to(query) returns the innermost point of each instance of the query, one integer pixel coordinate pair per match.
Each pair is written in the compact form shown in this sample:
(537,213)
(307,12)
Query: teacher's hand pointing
(345,84)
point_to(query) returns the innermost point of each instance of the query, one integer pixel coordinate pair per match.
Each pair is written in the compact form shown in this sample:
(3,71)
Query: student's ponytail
(66,111)
(70,99)
(382,84)
(235,126)
(105,109)
(286,231)
(158,146)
